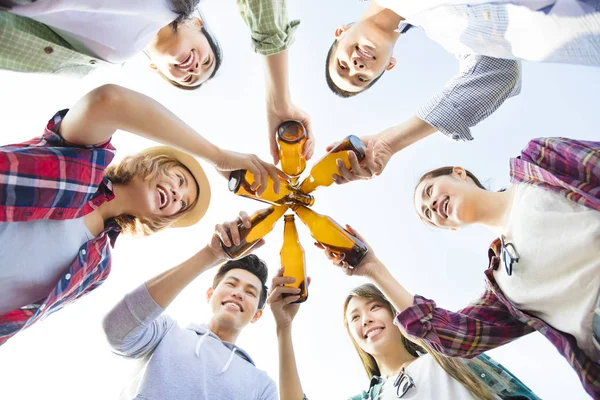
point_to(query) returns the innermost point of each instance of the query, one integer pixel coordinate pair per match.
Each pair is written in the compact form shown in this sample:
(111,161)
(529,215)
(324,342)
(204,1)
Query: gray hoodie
(179,363)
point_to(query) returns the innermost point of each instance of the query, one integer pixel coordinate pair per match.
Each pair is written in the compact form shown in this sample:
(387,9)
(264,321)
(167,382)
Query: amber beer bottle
(327,232)
(240,182)
(322,172)
(292,258)
(291,137)
(261,223)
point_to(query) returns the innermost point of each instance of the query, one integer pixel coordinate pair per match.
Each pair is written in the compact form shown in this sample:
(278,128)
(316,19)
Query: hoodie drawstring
(228,363)
(200,341)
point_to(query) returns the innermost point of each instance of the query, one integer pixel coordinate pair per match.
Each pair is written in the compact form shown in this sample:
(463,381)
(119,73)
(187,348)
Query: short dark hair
(210,38)
(334,88)
(252,264)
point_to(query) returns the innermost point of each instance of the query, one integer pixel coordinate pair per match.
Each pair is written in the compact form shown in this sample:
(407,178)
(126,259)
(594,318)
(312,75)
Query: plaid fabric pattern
(268,22)
(480,87)
(566,166)
(47,178)
(561,165)
(513,389)
(30,46)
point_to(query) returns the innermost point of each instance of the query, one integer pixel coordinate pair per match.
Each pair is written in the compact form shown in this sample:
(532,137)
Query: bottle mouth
(235,179)
(288,217)
(291,132)
(358,146)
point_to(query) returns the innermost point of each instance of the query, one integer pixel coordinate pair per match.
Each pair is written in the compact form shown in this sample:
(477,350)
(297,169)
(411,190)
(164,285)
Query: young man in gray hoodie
(201,361)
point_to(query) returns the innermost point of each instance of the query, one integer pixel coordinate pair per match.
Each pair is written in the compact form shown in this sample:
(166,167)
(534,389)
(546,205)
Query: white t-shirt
(431,382)
(33,257)
(557,278)
(113,30)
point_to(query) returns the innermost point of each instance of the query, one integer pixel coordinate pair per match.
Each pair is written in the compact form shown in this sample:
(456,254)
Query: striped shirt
(48,178)
(565,166)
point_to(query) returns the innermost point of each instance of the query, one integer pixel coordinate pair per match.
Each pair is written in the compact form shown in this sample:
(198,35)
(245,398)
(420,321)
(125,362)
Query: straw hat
(193,215)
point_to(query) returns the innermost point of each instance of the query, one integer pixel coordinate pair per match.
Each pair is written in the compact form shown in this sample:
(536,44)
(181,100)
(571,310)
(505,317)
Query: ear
(153,67)
(391,64)
(460,173)
(340,31)
(256,316)
(209,294)
(198,22)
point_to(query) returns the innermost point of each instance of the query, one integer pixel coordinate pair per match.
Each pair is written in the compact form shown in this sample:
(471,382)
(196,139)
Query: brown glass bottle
(291,137)
(327,232)
(240,182)
(262,222)
(292,258)
(322,172)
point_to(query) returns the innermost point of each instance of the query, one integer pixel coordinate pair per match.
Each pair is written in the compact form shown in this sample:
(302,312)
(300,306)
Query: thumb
(274,149)
(353,232)
(331,146)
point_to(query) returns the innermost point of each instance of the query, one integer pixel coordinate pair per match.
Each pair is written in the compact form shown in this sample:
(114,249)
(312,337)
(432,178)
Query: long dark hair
(455,367)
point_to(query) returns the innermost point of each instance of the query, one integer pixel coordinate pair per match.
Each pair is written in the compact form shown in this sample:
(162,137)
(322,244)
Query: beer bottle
(261,223)
(291,137)
(240,182)
(322,172)
(292,258)
(327,232)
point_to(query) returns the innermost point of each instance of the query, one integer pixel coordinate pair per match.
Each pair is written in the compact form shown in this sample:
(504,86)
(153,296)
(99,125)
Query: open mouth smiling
(374,331)
(233,304)
(163,197)
(364,54)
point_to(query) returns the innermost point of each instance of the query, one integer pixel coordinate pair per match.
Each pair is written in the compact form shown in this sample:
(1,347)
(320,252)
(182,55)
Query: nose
(237,294)
(367,320)
(358,63)
(176,195)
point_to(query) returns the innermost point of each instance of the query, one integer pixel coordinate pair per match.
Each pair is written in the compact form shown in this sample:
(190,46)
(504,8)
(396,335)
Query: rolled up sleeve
(480,87)
(270,30)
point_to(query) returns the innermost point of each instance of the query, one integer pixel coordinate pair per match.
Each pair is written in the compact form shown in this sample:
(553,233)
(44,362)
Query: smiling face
(168,194)
(184,57)
(234,301)
(370,323)
(361,55)
(448,201)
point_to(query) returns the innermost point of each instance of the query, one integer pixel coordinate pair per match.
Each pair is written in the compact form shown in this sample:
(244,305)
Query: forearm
(411,131)
(166,286)
(276,81)
(290,387)
(391,288)
(109,108)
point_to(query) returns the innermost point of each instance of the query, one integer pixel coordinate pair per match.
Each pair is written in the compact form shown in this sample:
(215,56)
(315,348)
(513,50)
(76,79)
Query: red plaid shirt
(565,166)
(48,178)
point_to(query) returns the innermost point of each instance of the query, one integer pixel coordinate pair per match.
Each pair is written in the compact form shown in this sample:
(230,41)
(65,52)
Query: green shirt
(30,46)
(515,390)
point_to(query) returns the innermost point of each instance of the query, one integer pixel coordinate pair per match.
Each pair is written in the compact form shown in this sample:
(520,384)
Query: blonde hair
(148,167)
(455,367)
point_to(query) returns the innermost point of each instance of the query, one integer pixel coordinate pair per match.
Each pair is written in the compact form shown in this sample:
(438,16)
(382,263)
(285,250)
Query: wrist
(378,272)
(284,329)
(210,258)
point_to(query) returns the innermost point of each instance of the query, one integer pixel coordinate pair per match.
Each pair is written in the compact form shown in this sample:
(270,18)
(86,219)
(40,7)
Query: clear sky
(66,356)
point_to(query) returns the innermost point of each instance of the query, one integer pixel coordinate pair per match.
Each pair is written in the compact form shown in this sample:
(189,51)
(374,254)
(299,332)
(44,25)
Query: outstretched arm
(280,301)
(481,85)
(104,110)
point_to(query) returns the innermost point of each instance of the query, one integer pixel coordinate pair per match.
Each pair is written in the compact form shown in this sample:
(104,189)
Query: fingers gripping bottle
(322,172)
(240,182)
(327,232)
(261,223)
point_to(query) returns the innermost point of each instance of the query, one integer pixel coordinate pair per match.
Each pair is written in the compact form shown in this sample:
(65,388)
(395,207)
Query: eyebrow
(367,303)
(237,280)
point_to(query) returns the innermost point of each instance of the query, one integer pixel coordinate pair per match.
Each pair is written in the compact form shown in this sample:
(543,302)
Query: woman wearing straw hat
(62,206)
